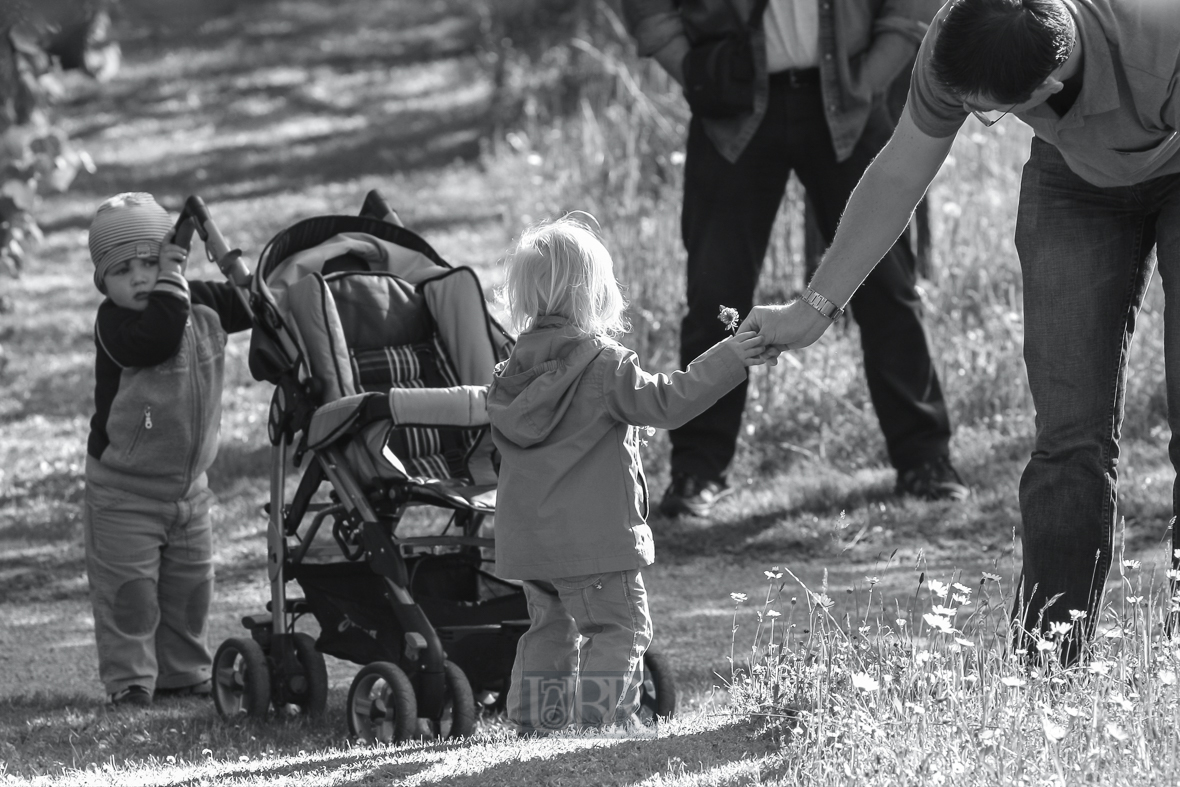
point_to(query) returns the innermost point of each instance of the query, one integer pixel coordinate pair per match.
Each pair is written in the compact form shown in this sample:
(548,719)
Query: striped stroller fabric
(426,452)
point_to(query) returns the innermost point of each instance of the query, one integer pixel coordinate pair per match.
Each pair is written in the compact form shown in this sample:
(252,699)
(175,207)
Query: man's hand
(787,327)
(671,58)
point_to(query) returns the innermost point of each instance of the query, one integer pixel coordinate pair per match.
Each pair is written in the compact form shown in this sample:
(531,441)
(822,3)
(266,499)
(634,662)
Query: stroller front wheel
(457,719)
(241,679)
(657,694)
(381,705)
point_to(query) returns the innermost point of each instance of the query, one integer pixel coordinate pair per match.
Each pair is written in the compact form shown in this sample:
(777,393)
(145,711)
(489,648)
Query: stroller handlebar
(195,218)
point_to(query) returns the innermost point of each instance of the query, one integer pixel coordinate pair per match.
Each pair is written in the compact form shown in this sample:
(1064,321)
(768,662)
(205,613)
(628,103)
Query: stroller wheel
(241,679)
(458,714)
(657,695)
(312,696)
(381,704)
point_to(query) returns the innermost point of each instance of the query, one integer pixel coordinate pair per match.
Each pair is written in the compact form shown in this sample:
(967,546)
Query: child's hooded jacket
(565,409)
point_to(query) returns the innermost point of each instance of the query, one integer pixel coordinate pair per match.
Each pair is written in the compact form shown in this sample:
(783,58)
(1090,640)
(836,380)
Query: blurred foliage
(37,41)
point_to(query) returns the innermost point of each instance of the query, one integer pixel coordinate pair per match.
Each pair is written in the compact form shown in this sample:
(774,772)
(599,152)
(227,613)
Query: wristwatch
(822,304)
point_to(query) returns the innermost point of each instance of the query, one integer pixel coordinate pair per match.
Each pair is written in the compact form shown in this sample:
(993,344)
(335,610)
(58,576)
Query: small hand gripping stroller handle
(195,218)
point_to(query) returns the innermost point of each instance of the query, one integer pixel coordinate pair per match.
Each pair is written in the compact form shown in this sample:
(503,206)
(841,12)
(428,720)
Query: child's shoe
(202,690)
(132,696)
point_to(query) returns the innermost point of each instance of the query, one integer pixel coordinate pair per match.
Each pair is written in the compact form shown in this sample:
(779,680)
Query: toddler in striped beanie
(132,227)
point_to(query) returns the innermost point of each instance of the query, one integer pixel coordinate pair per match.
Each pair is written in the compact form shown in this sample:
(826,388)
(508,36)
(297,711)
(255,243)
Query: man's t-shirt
(1122,128)
(792,34)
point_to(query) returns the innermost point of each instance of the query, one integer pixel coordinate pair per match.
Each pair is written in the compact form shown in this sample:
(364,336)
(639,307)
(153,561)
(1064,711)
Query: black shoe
(202,690)
(132,696)
(688,494)
(935,479)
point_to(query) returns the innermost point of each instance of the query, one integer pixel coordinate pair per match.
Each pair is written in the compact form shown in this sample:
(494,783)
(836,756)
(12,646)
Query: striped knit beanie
(127,225)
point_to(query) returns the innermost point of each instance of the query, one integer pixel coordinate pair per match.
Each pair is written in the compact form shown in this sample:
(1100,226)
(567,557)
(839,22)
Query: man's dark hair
(1001,49)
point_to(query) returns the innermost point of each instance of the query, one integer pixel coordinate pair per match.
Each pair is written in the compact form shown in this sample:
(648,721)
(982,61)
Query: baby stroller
(380,353)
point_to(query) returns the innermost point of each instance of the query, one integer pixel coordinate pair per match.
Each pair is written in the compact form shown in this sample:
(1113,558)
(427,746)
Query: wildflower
(961,600)
(1044,645)
(923,656)
(823,600)
(1013,682)
(864,682)
(965,642)
(1135,599)
(1053,731)
(1114,633)
(1167,677)
(939,610)
(1121,701)
(1176,554)
(1116,732)
(1172,574)
(729,317)
(1099,667)
(872,580)
(900,622)
(991,576)
(773,613)
(938,588)
(937,622)
(966,591)
(1131,565)
(1072,711)
(774,573)
(1076,614)
(1059,629)
(740,598)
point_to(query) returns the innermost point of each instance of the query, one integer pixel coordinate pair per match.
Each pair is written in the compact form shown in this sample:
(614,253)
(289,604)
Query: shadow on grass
(291,96)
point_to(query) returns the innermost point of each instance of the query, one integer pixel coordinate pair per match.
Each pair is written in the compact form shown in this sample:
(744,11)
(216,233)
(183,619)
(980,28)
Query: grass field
(287,109)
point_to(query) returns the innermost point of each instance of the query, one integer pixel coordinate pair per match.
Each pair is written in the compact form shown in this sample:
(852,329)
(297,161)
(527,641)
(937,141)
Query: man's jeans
(1085,255)
(552,688)
(729,211)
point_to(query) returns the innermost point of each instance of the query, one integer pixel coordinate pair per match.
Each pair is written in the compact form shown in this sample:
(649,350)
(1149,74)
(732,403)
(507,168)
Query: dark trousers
(729,211)
(1085,254)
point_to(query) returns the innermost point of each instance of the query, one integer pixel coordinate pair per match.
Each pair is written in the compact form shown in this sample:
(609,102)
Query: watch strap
(822,305)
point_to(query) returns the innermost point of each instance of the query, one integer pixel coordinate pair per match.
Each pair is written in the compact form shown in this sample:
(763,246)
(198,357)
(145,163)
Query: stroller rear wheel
(457,719)
(311,693)
(381,705)
(241,679)
(657,695)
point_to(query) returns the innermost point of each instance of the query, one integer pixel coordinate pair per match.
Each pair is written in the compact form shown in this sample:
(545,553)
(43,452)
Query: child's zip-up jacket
(565,410)
(157,389)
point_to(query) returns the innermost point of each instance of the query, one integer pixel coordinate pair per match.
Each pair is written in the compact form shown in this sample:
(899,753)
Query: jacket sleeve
(149,337)
(220,297)
(636,397)
(910,18)
(653,23)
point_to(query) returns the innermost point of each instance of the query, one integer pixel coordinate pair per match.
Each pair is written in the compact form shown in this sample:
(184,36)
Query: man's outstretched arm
(876,214)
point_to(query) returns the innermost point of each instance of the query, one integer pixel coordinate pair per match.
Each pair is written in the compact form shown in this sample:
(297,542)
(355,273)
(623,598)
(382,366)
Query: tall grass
(935,695)
(603,131)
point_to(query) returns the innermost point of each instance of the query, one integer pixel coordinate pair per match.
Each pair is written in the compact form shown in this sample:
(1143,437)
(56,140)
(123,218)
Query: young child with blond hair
(566,411)
(160,344)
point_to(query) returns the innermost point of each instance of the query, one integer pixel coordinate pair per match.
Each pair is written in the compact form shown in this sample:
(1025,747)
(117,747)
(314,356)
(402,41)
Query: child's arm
(152,336)
(220,297)
(636,397)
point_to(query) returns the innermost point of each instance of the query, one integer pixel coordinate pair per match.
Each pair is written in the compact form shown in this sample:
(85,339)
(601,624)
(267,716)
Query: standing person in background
(777,86)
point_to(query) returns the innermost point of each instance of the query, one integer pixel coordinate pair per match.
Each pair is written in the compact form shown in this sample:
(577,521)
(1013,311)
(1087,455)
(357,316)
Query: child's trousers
(550,689)
(150,566)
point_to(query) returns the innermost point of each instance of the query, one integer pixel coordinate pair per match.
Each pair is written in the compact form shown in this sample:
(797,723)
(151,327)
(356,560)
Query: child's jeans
(550,690)
(150,566)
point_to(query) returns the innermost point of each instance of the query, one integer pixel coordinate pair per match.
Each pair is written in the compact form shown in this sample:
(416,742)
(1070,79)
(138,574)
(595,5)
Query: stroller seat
(400,352)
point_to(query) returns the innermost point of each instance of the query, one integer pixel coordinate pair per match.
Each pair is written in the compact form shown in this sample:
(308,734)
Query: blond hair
(561,268)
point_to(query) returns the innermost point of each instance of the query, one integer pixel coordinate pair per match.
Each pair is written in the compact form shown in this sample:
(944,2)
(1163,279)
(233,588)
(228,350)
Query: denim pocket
(581,582)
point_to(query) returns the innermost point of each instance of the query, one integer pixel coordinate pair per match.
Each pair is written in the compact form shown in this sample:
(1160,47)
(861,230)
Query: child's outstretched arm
(636,397)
